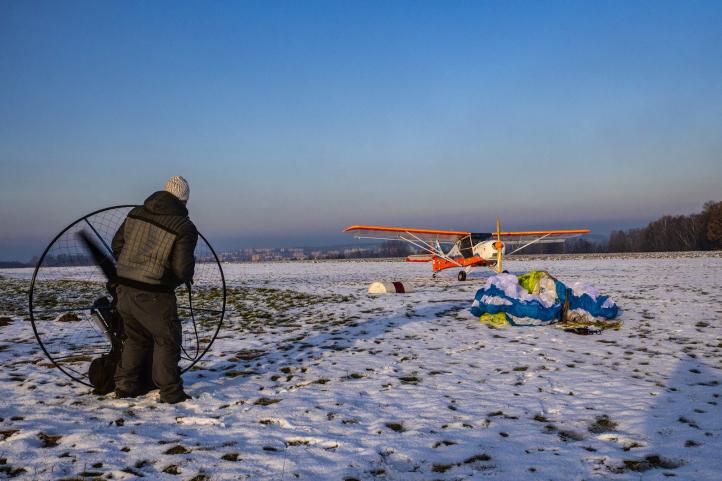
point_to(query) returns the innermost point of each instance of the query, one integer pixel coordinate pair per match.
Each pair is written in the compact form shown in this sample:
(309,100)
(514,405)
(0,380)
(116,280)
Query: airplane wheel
(462,276)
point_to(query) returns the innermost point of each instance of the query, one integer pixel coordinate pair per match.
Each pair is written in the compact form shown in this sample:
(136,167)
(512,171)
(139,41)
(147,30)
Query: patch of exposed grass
(49,441)
(178,449)
(11,472)
(264,401)
(444,442)
(91,474)
(248,355)
(570,436)
(7,433)
(479,457)
(68,317)
(602,424)
(441,468)
(631,445)
(398,427)
(262,307)
(172,469)
(652,461)
(233,374)
(298,442)
(687,421)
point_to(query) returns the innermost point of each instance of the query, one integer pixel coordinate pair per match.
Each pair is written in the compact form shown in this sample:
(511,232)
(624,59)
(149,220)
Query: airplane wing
(419,237)
(405,234)
(523,239)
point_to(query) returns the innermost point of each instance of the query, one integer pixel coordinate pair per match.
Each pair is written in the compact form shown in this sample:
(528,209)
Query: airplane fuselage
(484,254)
(439,263)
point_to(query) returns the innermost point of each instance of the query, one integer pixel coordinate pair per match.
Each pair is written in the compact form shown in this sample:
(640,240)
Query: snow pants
(151,322)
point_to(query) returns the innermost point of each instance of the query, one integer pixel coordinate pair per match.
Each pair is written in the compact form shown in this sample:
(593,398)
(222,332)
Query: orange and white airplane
(465,250)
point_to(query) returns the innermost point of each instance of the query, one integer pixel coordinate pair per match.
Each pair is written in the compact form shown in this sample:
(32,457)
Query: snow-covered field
(331,384)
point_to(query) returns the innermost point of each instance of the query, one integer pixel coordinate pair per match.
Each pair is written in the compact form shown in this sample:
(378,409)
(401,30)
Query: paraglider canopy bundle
(538,298)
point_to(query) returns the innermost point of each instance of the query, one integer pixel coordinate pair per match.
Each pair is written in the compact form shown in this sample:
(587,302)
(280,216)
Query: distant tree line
(575,245)
(701,231)
(60,260)
(390,248)
(13,264)
(64,260)
(695,232)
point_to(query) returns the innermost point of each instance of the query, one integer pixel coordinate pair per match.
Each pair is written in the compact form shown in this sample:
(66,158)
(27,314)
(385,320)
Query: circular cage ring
(67,289)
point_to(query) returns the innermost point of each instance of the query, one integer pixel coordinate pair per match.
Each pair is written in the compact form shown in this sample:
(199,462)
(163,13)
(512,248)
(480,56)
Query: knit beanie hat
(179,187)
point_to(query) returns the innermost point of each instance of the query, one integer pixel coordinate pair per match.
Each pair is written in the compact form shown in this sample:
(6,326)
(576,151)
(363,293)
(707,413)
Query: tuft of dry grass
(7,433)
(172,469)
(233,457)
(398,427)
(178,449)
(602,424)
(264,401)
(652,461)
(48,440)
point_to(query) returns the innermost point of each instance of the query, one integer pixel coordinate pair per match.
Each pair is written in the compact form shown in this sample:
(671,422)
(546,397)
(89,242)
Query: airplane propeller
(498,245)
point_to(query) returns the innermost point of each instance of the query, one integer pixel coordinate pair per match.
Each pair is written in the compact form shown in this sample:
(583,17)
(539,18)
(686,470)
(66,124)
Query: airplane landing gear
(461,276)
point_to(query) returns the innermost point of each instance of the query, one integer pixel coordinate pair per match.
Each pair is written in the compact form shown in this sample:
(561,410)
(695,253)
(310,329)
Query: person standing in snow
(154,248)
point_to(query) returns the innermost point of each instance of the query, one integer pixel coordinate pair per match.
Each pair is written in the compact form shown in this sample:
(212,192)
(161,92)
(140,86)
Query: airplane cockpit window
(466,244)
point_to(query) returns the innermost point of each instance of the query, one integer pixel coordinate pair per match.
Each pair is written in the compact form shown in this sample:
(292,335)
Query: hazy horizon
(293,120)
(25,250)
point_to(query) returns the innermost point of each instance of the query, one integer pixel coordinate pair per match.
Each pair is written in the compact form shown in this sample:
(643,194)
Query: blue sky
(292,120)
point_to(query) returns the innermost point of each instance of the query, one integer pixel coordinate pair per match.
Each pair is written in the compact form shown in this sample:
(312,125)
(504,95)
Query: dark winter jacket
(154,245)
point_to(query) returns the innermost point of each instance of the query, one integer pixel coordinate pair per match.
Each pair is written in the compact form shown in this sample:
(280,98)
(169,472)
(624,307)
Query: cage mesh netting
(66,283)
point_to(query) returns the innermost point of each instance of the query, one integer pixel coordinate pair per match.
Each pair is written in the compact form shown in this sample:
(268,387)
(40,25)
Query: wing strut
(416,241)
(539,239)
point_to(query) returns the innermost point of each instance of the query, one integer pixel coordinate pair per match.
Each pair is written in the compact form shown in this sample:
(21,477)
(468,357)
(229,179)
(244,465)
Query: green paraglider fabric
(537,298)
